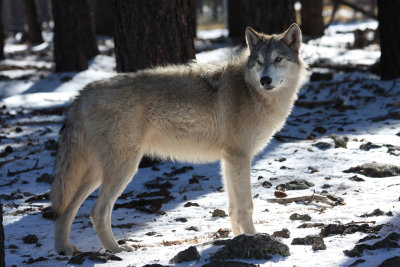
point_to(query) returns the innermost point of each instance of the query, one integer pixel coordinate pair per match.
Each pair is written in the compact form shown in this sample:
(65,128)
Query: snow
(364,97)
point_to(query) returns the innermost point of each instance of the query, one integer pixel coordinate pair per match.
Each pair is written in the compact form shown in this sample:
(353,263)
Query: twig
(314,197)
(10,173)
(13,181)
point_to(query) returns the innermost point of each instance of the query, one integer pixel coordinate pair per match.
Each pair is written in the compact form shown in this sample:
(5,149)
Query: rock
(192,228)
(258,246)
(189,254)
(356,262)
(391,262)
(219,213)
(30,239)
(367,146)
(322,145)
(355,178)
(368,237)
(284,233)
(94,256)
(376,170)
(339,141)
(298,184)
(181,220)
(387,243)
(45,178)
(8,150)
(319,245)
(266,184)
(375,213)
(310,225)
(175,171)
(229,264)
(308,240)
(350,228)
(301,217)
(191,204)
(221,233)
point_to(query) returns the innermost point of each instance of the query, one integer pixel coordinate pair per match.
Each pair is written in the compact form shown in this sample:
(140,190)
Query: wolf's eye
(278,59)
(259,62)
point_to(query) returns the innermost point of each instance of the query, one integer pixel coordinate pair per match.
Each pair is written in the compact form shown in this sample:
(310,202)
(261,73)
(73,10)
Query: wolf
(191,112)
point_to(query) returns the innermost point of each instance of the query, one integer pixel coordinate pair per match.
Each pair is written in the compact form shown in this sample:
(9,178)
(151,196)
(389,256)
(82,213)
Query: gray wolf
(191,112)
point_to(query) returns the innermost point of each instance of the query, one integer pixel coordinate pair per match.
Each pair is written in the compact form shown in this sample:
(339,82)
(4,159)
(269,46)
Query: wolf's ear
(292,37)
(253,38)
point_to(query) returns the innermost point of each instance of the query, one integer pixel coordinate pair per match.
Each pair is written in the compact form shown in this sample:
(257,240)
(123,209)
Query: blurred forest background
(148,33)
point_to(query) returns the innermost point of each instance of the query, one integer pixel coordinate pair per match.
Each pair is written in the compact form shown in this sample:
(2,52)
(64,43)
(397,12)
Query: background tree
(150,33)
(74,39)
(103,14)
(34,29)
(312,23)
(272,16)
(1,31)
(389,29)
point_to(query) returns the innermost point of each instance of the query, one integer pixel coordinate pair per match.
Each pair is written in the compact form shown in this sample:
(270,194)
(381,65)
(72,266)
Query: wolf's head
(274,59)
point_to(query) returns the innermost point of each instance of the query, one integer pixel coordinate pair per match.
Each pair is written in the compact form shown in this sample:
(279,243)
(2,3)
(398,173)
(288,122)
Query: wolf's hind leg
(116,178)
(89,182)
(236,172)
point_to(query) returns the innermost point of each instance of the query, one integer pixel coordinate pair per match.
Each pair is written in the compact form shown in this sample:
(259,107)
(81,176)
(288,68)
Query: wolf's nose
(265,81)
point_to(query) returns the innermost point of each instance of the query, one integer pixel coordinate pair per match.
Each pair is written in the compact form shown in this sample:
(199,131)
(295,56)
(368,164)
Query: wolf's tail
(69,169)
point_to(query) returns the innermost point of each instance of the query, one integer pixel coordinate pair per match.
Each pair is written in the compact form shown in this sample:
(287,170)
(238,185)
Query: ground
(345,117)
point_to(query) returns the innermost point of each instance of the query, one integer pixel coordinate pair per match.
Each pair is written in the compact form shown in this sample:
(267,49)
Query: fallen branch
(10,173)
(313,197)
(13,181)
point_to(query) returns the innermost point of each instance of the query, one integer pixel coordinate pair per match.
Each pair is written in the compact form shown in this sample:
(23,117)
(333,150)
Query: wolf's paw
(122,248)
(68,250)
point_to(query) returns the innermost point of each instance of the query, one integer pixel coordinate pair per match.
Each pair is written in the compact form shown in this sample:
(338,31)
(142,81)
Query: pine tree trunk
(151,33)
(1,32)
(2,252)
(272,16)
(389,29)
(104,17)
(312,23)
(34,29)
(74,39)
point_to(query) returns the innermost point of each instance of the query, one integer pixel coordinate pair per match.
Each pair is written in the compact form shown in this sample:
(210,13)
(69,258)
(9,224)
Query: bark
(1,31)
(312,23)
(389,28)
(272,16)
(74,39)
(104,17)
(34,29)
(2,253)
(150,33)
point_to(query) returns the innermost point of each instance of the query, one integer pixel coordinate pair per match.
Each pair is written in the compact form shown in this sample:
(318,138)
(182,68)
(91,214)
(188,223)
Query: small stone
(284,233)
(192,228)
(355,178)
(219,213)
(18,129)
(190,254)
(375,170)
(322,145)
(181,220)
(191,204)
(298,184)
(45,178)
(266,184)
(8,150)
(319,129)
(318,245)
(301,217)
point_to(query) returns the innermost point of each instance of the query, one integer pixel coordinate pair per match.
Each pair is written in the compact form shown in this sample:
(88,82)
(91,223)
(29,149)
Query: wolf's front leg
(236,172)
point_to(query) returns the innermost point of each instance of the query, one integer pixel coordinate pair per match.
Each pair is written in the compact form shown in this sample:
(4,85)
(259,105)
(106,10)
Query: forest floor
(337,156)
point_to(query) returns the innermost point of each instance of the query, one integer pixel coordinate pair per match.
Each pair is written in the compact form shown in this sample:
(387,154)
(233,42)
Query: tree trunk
(74,39)
(103,15)
(272,16)
(150,33)
(1,32)
(312,23)
(389,29)
(34,29)
(2,252)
